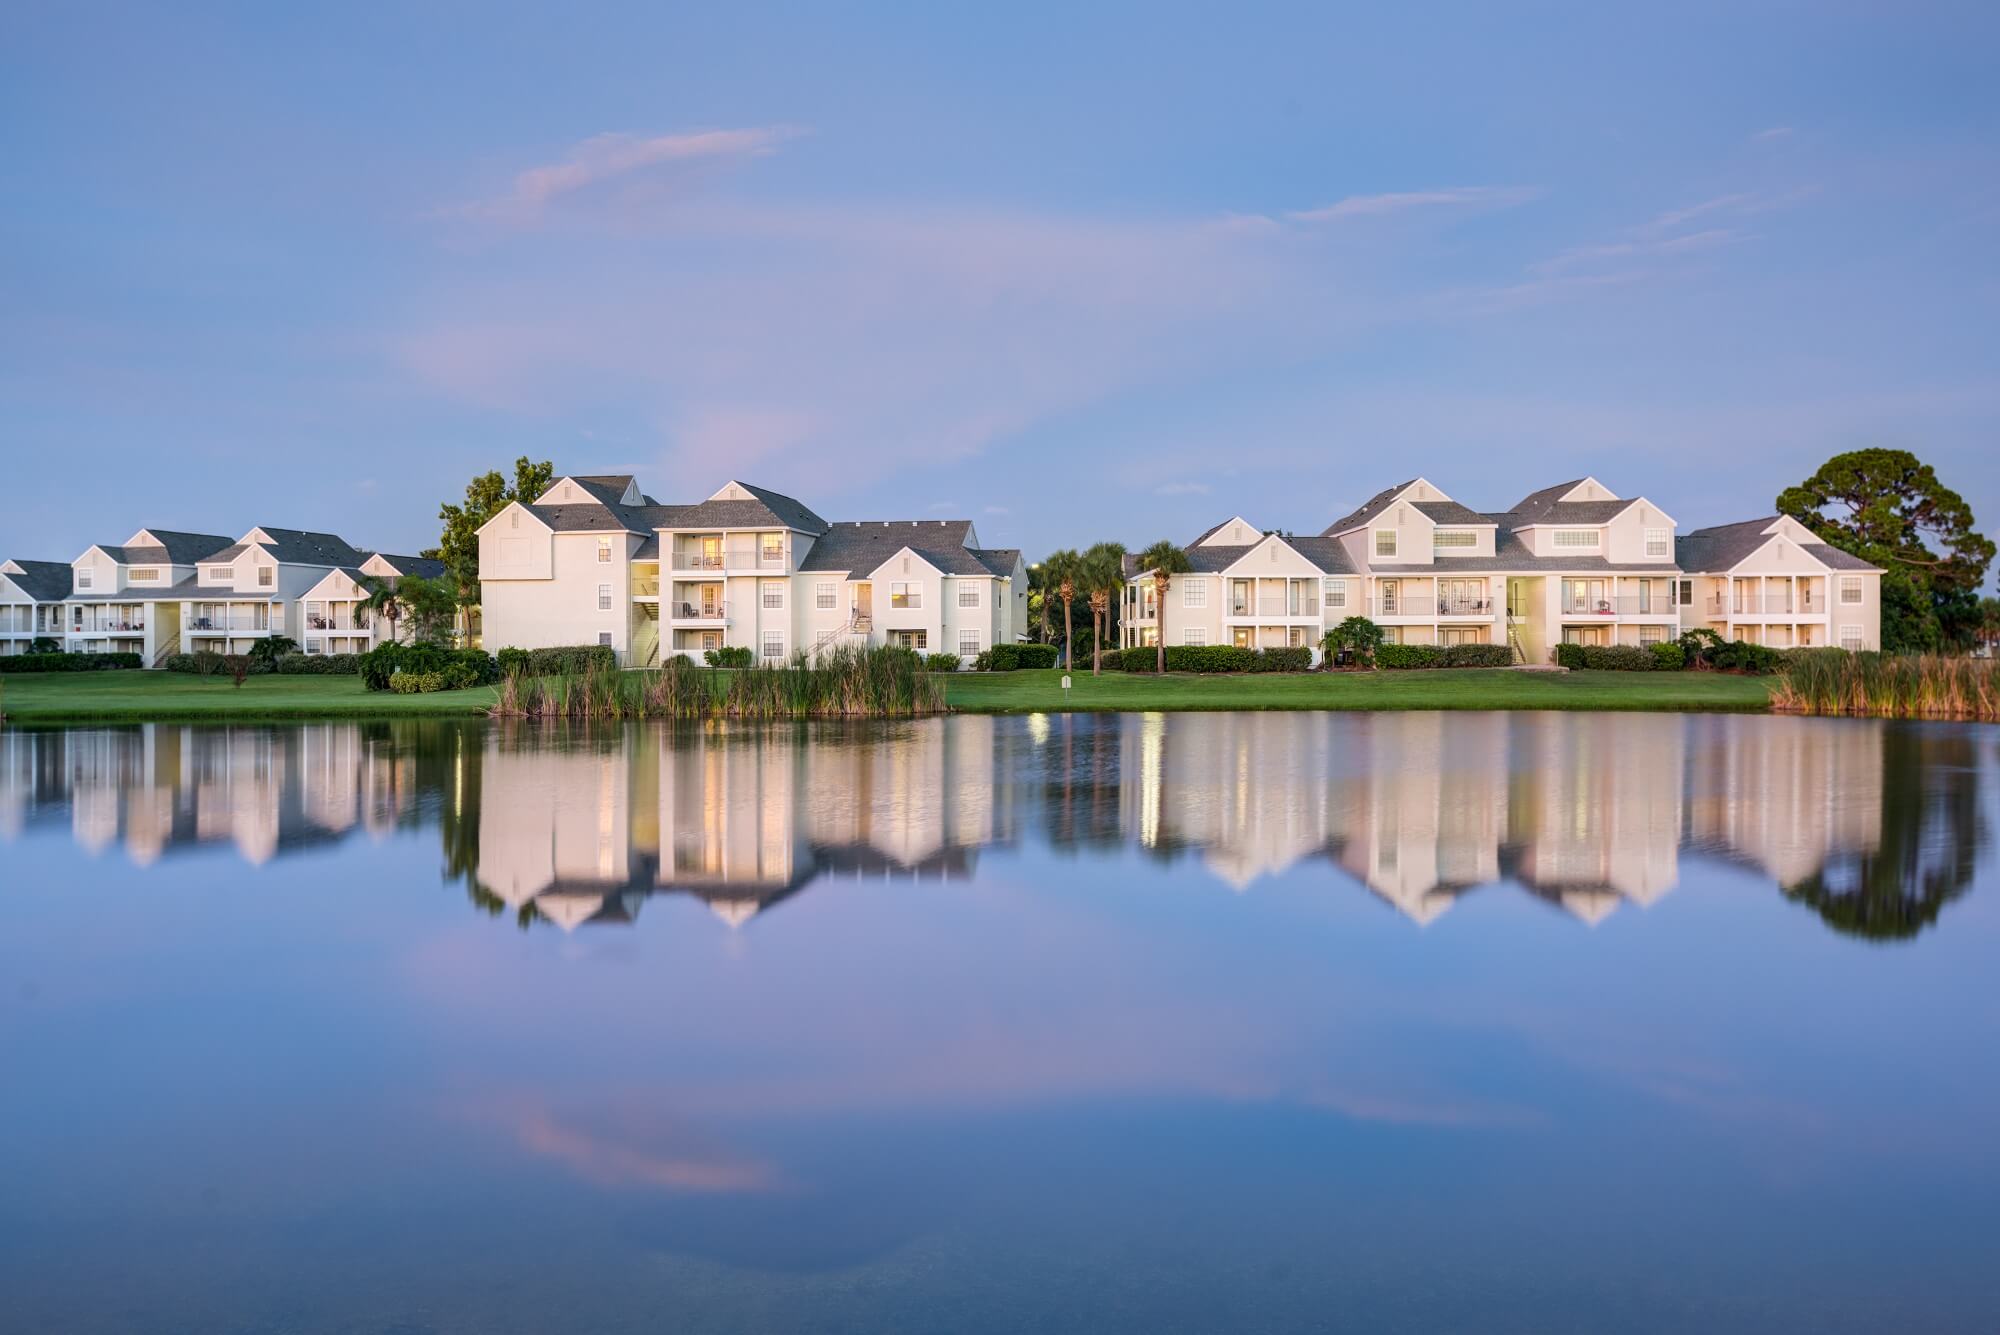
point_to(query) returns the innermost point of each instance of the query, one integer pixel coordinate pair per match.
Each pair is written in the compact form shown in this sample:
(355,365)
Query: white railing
(223,624)
(714,612)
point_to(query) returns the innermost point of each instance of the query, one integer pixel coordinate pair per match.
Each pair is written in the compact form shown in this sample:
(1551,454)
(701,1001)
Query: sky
(1072,272)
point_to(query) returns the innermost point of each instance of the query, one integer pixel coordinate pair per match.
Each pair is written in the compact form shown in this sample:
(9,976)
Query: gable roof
(1000,560)
(1574,512)
(169,548)
(424,567)
(1726,546)
(44,581)
(1373,506)
(1214,529)
(1450,512)
(296,546)
(860,548)
(764,509)
(1535,502)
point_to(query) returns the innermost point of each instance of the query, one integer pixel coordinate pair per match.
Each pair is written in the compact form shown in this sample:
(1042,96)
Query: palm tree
(1039,596)
(382,600)
(1103,579)
(1062,572)
(1165,560)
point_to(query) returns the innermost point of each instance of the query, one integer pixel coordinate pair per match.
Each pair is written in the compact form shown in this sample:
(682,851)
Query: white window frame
(218,574)
(771,593)
(604,551)
(84,576)
(144,575)
(1295,637)
(968,594)
(774,644)
(1652,635)
(1659,542)
(968,642)
(826,597)
(604,597)
(1851,633)
(1197,635)
(312,645)
(1586,538)
(912,595)
(770,546)
(1194,593)
(1850,591)
(1453,537)
(604,638)
(1392,634)
(1388,548)
(1333,593)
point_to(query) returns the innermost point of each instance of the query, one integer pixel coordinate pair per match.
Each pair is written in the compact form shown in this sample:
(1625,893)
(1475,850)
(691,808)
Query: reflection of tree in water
(1932,828)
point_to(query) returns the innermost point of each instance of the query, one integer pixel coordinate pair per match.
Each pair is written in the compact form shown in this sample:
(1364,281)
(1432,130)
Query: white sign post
(1065,688)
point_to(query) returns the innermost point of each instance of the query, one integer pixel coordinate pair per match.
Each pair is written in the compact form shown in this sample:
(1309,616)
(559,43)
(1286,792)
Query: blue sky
(1074,275)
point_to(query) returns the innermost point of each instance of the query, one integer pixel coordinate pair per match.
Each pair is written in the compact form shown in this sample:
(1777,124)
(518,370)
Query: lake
(1273,1022)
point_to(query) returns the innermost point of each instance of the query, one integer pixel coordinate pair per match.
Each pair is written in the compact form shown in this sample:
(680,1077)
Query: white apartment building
(162,592)
(594,560)
(1573,563)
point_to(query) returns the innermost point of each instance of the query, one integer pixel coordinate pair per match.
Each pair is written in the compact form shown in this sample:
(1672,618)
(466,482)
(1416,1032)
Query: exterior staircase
(167,650)
(857,623)
(1514,641)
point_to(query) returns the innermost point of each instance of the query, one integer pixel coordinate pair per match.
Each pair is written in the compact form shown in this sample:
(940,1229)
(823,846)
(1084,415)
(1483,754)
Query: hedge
(1669,656)
(1606,657)
(941,663)
(730,656)
(1211,658)
(455,676)
(382,663)
(68,662)
(318,665)
(1014,657)
(1478,655)
(556,660)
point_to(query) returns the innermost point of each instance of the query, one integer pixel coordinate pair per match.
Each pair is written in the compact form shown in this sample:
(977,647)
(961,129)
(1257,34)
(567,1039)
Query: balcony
(699,614)
(1624,605)
(1273,606)
(337,625)
(1770,604)
(220,624)
(1463,605)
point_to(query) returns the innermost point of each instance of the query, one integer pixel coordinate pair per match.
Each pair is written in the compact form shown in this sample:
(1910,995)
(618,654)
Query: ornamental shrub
(1478,655)
(1739,656)
(941,663)
(512,661)
(380,664)
(730,656)
(68,662)
(1014,657)
(1401,656)
(318,665)
(1668,656)
(1288,659)
(1699,646)
(1569,656)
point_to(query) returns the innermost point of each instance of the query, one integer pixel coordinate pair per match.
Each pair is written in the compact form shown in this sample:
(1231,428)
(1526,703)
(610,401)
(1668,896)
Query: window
(1336,593)
(84,577)
(1194,635)
(774,593)
(604,551)
(1194,593)
(1385,542)
(774,644)
(266,577)
(773,547)
(1850,589)
(1392,634)
(1295,636)
(312,646)
(1850,639)
(910,639)
(1453,537)
(1687,593)
(968,595)
(218,574)
(1652,634)
(906,595)
(826,597)
(1657,544)
(604,597)
(146,575)
(604,638)
(968,644)
(513,519)
(1577,537)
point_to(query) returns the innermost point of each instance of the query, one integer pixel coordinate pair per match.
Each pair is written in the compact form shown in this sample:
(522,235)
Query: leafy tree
(1062,575)
(1989,622)
(430,605)
(1103,581)
(1164,560)
(485,496)
(1358,635)
(1888,507)
(272,647)
(383,601)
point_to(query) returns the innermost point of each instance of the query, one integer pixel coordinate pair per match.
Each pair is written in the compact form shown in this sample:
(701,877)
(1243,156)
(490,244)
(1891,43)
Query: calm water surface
(1262,1022)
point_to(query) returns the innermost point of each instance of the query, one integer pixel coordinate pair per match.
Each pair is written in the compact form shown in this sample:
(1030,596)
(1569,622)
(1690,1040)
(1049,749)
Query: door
(711,553)
(711,600)
(864,601)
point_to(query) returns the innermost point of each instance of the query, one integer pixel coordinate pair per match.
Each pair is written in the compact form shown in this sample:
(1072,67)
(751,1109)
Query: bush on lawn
(1741,656)
(1288,659)
(941,663)
(1478,655)
(1668,656)
(730,656)
(319,665)
(1606,657)
(555,659)
(381,664)
(1015,657)
(68,662)
(1402,656)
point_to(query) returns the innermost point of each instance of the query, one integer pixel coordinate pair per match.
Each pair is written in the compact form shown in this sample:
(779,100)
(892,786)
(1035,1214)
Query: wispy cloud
(1460,196)
(607,156)
(1775,132)
(1182,489)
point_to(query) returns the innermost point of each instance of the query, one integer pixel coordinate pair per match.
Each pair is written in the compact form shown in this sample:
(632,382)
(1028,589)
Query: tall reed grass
(1831,681)
(841,683)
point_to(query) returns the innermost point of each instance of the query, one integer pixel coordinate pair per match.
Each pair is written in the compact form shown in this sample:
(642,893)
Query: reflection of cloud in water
(634,1148)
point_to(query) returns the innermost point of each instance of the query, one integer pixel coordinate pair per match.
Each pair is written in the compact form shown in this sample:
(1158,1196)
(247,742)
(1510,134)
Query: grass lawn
(1463,688)
(160,697)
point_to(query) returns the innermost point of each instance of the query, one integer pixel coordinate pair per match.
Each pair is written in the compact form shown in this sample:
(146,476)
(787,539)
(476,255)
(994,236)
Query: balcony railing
(1750,604)
(1624,605)
(219,624)
(108,626)
(337,624)
(1464,605)
(714,612)
(1273,605)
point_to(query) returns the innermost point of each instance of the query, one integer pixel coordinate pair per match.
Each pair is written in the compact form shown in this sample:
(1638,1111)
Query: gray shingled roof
(767,509)
(583,517)
(863,547)
(1214,529)
(1537,501)
(1575,512)
(1725,546)
(1373,506)
(297,546)
(1450,512)
(174,549)
(44,581)
(424,567)
(1000,560)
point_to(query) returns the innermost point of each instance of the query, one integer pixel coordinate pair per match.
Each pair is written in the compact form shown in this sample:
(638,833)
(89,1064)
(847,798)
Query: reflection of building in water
(157,789)
(1780,794)
(583,827)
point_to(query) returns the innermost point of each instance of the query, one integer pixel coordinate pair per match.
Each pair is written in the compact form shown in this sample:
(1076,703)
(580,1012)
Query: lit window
(1392,634)
(1850,589)
(968,595)
(1385,542)
(145,575)
(774,593)
(1194,635)
(826,597)
(1194,593)
(774,644)
(604,551)
(1453,537)
(1336,593)
(906,595)
(604,597)
(1850,638)
(1577,537)
(968,644)
(774,547)
(1657,543)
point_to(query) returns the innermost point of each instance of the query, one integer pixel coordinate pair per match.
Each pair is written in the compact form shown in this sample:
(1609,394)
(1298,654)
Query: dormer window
(219,574)
(84,578)
(1578,537)
(1385,542)
(774,547)
(1453,537)
(145,575)
(1658,542)
(266,577)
